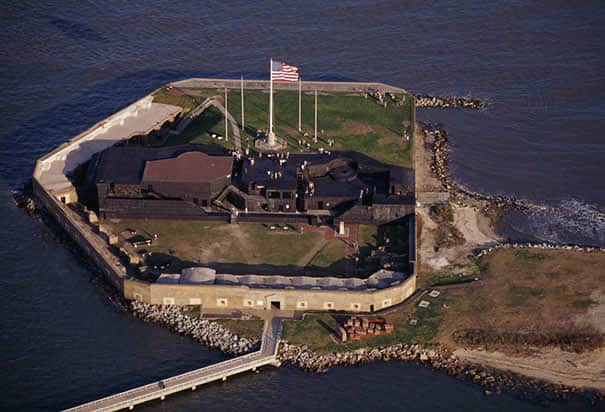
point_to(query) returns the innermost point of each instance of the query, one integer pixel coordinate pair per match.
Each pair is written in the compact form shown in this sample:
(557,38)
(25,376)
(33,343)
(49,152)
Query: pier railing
(267,355)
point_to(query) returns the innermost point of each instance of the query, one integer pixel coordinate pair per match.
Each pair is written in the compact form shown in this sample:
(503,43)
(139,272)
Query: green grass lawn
(199,131)
(331,252)
(247,328)
(166,96)
(315,330)
(354,122)
(193,243)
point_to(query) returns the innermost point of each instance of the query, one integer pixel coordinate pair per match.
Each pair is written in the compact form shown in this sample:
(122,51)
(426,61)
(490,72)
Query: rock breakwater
(204,331)
(540,245)
(494,382)
(494,205)
(426,101)
(304,358)
(440,167)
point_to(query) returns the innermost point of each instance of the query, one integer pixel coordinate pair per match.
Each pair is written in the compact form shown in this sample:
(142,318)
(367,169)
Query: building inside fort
(206,182)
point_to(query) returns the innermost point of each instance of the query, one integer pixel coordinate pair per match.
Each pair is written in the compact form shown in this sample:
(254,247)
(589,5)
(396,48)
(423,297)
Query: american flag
(283,71)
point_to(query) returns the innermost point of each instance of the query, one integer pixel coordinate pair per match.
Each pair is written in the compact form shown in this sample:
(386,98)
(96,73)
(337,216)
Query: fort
(285,223)
(184,212)
(135,166)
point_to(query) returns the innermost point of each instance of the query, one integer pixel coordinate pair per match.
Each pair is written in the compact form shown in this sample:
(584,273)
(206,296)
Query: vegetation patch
(193,311)
(451,279)
(201,129)
(182,243)
(447,234)
(315,330)
(519,295)
(529,256)
(578,341)
(519,302)
(583,303)
(168,95)
(331,255)
(246,328)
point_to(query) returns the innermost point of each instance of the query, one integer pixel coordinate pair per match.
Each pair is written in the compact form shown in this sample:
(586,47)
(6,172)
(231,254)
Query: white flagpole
(270,96)
(242,92)
(299,103)
(226,122)
(315,139)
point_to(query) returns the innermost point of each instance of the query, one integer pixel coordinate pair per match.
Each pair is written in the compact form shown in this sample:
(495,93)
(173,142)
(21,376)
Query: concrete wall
(91,243)
(306,85)
(243,297)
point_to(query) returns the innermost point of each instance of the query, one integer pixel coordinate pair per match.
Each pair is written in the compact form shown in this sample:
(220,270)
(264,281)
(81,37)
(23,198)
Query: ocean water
(68,64)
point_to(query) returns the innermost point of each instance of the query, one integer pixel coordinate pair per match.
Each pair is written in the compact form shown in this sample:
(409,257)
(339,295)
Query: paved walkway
(192,115)
(267,355)
(211,101)
(237,143)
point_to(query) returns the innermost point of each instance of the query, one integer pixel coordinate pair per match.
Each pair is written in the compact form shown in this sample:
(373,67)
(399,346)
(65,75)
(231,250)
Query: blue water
(68,64)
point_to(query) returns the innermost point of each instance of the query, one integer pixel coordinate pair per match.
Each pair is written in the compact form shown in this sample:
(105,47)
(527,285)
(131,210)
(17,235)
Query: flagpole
(315,139)
(242,93)
(270,96)
(299,103)
(226,123)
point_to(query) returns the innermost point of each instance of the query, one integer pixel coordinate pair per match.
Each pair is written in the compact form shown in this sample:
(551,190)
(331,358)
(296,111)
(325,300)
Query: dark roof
(328,187)
(257,173)
(125,164)
(188,167)
(368,170)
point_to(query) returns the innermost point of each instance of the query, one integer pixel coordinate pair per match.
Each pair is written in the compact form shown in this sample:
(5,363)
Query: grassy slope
(199,130)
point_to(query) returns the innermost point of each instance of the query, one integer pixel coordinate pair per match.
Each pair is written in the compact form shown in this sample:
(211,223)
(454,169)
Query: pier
(267,355)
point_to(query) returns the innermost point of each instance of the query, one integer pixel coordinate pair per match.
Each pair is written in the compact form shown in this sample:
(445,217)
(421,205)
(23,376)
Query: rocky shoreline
(214,335)
(494,382)
(208,333)
(463,197)
(425,101)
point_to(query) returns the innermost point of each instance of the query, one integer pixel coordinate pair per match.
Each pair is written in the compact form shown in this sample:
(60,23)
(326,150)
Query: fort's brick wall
(91,243)
(243,297)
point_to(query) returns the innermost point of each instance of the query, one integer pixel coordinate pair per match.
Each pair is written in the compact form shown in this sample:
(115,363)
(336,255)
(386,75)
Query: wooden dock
(267,355)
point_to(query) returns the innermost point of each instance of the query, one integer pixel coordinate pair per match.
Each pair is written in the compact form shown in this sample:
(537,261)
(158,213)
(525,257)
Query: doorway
(275,304)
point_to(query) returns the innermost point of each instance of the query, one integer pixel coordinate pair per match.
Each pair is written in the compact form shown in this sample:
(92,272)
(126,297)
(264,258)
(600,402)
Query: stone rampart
(241,297)
(91,243)
(53,169)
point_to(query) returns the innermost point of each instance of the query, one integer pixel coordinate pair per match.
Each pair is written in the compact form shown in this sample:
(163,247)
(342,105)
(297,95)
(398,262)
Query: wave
(571,221)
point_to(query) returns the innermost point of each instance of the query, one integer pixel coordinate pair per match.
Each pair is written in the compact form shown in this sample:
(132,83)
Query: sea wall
(90,242)
(209,333)
(240,297)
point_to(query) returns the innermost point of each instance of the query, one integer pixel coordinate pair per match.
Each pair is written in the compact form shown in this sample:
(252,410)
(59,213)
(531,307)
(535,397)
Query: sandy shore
(585,370)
